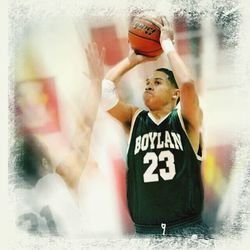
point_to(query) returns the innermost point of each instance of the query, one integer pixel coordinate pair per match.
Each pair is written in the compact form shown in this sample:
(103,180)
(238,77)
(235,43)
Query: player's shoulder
(24,195)
(50,179)
(174,114)
(140,114)
(50,184)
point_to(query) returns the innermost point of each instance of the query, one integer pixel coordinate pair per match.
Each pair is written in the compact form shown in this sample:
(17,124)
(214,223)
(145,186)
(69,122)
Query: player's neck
(159,114)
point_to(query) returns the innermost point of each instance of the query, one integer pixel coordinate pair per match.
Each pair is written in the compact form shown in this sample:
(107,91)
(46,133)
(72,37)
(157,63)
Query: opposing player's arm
(121,111)
(72,166)
(96,72)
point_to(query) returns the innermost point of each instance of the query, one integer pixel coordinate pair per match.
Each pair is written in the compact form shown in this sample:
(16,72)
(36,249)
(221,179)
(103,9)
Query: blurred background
(49,89)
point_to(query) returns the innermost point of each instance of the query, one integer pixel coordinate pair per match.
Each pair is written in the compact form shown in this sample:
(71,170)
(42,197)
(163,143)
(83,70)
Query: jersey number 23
(166,173)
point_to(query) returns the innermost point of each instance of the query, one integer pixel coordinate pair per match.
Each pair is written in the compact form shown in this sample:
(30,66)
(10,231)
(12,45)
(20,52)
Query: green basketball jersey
(164,176)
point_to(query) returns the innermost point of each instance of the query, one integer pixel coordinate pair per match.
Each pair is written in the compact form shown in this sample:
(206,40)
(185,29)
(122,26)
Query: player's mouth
(148,92)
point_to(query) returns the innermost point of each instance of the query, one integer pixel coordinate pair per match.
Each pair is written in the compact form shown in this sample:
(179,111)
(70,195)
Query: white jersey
(49,209)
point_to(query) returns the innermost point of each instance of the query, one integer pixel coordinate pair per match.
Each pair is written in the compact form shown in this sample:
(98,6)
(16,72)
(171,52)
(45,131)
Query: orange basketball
(144,36)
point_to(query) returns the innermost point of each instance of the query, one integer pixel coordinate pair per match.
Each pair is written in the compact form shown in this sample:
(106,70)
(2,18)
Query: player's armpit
(123,113)
(191,119)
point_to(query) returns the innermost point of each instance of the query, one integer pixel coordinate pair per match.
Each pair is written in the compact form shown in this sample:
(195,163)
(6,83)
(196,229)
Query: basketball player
(47,202)
(164,185)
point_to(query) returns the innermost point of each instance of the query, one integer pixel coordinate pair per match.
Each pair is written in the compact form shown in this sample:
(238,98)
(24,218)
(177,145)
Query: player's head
(32,161)
(161,89)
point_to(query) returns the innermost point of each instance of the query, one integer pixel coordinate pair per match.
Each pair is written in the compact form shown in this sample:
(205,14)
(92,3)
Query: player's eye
(157,82)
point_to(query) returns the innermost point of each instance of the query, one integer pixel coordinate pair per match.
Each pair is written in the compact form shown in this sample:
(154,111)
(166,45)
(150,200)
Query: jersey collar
(155,121)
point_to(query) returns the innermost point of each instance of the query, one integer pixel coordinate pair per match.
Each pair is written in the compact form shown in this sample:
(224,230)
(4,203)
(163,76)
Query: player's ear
(176,94)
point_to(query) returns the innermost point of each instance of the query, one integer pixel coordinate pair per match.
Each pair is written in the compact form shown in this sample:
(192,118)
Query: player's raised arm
(189,101)
(121,111)
(86,121)
(96,73)
(72,166)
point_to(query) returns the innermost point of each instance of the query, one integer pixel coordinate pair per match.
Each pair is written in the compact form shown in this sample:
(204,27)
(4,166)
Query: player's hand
(137,59)
(167,31)
(95,61)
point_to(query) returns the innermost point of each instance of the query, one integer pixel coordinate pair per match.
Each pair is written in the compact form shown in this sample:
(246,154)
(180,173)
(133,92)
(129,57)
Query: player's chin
(147,98)
(149,102)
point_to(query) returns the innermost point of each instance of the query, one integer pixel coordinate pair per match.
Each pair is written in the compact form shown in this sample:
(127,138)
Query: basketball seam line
(145,37)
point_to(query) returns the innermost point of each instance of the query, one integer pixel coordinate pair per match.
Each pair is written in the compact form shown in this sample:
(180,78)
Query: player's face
(158,91)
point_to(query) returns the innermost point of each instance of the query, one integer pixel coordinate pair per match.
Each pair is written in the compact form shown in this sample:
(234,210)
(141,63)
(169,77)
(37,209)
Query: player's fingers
(98,56)
(90,57)
(142,15)
(159,25)
(92,53)
(130,51)
(91,47)
(165,21)
(87,54)
(171,25)
(129,47)
(86,74)
(95,48)
(95,59)
(102,57)
(154,58)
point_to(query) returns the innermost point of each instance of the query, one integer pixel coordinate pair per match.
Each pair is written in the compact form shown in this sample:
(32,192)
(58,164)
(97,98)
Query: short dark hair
(170,76)
(29,160)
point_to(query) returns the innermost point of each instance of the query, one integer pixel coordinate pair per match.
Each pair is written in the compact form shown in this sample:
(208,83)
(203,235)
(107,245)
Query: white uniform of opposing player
(52,205)
(49,208)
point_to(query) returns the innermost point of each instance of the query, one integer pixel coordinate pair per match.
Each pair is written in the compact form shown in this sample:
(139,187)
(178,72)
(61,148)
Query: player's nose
(149,86)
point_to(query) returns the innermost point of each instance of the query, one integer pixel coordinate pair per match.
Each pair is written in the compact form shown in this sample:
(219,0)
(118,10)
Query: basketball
(144,36)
